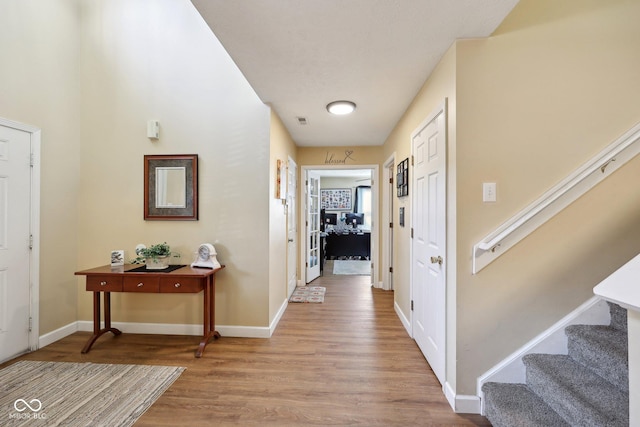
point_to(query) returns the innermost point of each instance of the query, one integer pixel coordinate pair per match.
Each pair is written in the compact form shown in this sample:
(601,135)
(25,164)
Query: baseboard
(405,322)
(552,341)
(276,319)
(461,404)
(58,334)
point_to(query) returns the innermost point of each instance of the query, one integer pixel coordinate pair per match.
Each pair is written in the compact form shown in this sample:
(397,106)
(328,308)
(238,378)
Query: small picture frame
(117,258)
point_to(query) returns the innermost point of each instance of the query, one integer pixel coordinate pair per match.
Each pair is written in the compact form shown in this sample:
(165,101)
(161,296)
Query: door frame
(292,203)
(387,218)
(34,225)
(374,220)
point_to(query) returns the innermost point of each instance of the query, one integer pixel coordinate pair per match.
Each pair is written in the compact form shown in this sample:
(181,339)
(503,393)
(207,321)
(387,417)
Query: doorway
(344,220)
(19,210)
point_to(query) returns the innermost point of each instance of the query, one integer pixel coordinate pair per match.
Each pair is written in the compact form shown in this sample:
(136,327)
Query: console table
(348,244)
(107,279)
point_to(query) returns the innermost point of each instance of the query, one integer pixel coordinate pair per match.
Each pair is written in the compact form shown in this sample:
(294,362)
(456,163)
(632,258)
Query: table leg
(97,332)
(208,316)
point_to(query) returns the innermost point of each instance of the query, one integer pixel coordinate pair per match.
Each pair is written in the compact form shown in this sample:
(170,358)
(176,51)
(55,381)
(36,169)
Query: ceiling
(299,55)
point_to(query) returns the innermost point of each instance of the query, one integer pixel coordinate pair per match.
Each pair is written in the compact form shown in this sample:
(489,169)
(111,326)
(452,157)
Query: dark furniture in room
(355,243)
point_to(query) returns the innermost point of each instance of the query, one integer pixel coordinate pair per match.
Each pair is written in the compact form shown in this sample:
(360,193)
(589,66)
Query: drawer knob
(177,285)
(140,285)
(103,283)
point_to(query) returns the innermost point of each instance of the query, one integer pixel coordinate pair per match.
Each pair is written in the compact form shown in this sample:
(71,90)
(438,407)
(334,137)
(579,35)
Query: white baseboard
(58,334)
(276,319)
(552,341)
(461,404)
(405,322)
(163,329)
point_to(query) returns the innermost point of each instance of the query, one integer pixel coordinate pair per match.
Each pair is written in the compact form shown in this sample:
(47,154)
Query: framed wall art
(336,199)
(402,178)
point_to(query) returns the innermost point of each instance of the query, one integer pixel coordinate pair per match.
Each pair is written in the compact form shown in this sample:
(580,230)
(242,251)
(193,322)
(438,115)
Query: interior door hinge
(411,305)
(390,269)
(30,324)
(412,232)
(390,225)
(31,160)
(412,160)
(391,180)
(30,241)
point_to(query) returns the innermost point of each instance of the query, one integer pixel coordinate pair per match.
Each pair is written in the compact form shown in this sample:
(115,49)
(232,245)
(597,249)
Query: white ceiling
(299,55)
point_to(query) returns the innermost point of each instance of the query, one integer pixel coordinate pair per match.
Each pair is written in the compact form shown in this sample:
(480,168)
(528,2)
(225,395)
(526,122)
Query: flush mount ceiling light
(341,108)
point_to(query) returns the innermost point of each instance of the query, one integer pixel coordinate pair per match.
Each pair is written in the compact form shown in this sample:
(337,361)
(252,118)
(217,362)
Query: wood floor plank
(347,361)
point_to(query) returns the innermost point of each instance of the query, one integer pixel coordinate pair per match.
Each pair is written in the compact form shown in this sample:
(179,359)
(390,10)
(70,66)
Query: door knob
(436,260)
(290,240)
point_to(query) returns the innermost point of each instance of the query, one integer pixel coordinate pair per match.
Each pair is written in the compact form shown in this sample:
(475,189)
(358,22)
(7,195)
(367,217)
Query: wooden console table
(107,279)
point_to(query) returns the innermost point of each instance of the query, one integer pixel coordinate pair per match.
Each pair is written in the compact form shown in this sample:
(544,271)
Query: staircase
(587,387)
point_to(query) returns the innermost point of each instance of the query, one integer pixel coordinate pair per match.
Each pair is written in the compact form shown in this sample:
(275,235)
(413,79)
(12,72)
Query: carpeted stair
(587,387)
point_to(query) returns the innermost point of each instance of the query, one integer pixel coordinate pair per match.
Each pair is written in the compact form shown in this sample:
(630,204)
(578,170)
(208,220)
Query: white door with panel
(292,226)
(428,281)
(15,214)
(313,226)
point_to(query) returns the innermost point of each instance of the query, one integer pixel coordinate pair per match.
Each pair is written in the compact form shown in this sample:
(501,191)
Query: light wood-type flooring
(347,361)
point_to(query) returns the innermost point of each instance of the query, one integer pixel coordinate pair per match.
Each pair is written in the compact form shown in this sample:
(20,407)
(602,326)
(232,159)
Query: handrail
(556,199)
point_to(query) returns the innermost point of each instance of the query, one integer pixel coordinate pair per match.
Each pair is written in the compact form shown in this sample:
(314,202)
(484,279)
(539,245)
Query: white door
(429,237)
(15,196)
(313,226)
(292,226)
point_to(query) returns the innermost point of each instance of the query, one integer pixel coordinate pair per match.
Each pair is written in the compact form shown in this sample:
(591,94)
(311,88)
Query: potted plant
(155,257)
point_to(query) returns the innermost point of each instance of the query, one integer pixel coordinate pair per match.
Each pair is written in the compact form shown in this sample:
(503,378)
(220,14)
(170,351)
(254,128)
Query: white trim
(556,199)
(58,334)
(180,329)
(461,404)
(278,316)
(403,319)
(387,218)
(34,225)
(595,311)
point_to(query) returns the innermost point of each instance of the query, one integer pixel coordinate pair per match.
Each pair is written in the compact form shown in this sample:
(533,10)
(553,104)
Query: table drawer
(104,283)
(180,285)
(141,284)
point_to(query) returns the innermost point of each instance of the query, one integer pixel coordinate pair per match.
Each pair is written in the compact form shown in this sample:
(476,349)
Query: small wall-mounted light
(153,129)
(341,108)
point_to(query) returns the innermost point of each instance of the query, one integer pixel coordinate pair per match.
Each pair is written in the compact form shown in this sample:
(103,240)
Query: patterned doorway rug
(308,294)
(80,394)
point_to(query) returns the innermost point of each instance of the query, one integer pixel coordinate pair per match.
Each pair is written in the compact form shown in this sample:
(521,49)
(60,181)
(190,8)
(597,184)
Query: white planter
(159,263)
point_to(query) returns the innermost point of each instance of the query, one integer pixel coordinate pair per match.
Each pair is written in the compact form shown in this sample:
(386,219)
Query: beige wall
(141,61)
(39,85)
(554,85)
(282,147)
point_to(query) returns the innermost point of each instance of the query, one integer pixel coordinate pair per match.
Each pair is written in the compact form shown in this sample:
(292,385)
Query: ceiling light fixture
(341,108)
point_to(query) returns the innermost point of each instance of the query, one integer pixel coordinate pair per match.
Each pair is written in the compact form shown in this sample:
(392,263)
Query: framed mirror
(171,187)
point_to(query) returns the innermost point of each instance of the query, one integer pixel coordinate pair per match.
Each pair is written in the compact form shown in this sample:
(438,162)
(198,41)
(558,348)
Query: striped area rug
(79,394)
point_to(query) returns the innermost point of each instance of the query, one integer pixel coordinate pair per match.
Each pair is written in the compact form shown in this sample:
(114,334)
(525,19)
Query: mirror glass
(171,187)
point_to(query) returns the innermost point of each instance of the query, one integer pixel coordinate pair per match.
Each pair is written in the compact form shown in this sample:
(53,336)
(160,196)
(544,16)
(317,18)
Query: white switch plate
(489,192)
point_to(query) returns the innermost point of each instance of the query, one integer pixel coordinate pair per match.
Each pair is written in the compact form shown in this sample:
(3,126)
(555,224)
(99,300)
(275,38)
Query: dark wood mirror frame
(190,210)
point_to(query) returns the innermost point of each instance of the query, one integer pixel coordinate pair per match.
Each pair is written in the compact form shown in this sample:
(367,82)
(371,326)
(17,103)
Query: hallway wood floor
(347,361)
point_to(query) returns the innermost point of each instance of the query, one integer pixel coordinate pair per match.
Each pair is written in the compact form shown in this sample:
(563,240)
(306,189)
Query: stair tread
(603,349)
(515,405)
(575,392)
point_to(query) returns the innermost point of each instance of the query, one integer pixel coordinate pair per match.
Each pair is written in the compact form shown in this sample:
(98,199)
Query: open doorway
(340,212)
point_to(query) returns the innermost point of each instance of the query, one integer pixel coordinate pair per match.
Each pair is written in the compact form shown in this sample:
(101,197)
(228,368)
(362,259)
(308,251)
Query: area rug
(308,294)
(79,394)
(353,267)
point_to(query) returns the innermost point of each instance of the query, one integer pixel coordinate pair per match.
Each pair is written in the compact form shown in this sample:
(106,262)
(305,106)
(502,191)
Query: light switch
(489,192)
